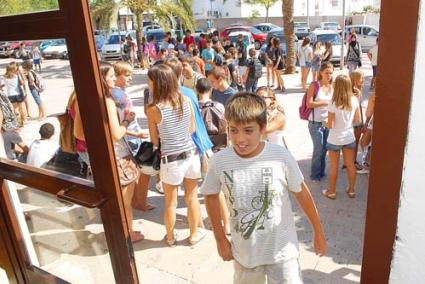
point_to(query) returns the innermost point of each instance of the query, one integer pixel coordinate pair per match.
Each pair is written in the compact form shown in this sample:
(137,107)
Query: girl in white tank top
(275,117)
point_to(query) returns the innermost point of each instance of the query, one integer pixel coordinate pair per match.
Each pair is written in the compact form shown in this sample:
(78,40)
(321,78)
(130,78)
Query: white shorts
(287,272)
(173,173)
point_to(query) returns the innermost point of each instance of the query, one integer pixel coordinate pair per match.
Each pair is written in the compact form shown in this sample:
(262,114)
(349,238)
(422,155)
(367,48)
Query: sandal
(329,195)
(173,242)
(351,194)
(200,234)
(136,236)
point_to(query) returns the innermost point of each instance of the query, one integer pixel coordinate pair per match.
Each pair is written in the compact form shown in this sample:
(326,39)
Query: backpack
(215,124)
(303,109)
(39,82)
(255,68)
(218,59)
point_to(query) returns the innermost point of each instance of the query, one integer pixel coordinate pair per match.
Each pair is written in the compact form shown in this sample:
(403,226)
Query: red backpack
(303,109)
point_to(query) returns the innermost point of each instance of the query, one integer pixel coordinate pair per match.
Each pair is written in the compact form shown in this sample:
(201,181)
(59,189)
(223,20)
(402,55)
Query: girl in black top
(278,64)
(268,59)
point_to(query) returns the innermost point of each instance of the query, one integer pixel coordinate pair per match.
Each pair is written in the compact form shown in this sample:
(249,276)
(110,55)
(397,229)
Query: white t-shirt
(257,195)
(343,133)
(374,52)
(41,151)
(304,54)
(321,113)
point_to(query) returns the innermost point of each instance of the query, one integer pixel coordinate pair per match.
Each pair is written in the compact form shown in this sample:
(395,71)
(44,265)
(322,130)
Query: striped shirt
(257,195)
(174,131)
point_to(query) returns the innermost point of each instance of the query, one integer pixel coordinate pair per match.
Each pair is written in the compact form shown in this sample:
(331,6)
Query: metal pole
(308,13)
(341,66)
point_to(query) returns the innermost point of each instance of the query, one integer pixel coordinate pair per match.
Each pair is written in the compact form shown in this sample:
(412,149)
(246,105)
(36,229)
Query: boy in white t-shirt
(42,150)
(256,178)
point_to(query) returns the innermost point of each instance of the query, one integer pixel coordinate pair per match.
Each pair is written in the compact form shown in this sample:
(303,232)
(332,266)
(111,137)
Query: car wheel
(257,45)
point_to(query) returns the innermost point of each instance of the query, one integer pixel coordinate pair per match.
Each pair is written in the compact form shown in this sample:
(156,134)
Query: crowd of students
(210,121)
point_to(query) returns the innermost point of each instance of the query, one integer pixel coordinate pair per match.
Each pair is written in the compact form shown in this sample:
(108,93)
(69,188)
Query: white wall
(409,248)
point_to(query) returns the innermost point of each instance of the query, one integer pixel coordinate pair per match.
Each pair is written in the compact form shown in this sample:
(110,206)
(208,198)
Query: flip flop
(351,194)
(200,234)
(136,236)
(329,195)
(173,242)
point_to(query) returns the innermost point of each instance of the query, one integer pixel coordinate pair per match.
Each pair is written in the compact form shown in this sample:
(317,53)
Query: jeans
(36,95)
(251,85)
(319,136)
(352,66)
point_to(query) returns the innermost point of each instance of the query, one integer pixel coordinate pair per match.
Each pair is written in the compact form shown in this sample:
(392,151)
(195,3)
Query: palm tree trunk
(267,15)
(139,34)
(288,24)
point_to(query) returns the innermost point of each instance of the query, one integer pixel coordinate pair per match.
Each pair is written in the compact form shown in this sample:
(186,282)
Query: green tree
(10,7)
(288,25)
(267,4)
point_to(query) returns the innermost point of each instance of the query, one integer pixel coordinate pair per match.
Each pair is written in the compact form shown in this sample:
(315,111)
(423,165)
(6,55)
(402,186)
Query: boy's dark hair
(186,58)
(203,86)
(209,40)
(245,107)
(176,65)
(46,130)
(195,52)
(188,31)
(214,41)
(163,50)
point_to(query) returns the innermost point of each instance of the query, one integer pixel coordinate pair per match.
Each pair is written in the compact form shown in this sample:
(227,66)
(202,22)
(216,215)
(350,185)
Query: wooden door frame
(397,41)
(72,22)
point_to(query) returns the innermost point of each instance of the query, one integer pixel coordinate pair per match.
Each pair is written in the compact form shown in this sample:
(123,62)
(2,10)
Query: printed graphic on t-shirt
(250,209)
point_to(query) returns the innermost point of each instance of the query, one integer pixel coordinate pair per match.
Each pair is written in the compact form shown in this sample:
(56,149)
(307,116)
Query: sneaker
(158,188)
(200,234)
(358,166)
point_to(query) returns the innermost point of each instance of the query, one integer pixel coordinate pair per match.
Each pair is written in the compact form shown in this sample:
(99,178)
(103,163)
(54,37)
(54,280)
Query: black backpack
(255,68)
(215,124)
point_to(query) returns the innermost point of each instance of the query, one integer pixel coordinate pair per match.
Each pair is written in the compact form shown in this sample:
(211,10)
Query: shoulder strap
(316,91)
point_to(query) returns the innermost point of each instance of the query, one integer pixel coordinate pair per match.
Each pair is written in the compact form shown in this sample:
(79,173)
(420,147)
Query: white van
(113,47)
(366,35)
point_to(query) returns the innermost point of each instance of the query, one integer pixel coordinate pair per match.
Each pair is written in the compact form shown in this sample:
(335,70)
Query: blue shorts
(36,61)
(36,95)
(337,148)
(315,67)
(307,65)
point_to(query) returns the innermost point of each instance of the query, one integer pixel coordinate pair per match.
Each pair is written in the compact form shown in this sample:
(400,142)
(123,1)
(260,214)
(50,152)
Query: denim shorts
(307,65)
(332,147)
(36,95)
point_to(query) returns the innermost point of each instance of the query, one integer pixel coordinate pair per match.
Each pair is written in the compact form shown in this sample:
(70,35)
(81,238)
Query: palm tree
(288,25)
(105,12)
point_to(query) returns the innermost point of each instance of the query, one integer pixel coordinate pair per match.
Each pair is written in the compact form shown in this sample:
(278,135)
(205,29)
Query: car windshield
(332,38)
(256,31)
(58,42)
(300,24)
(115,39)
(234,39)
(279,35)
(331,26)
(159,36)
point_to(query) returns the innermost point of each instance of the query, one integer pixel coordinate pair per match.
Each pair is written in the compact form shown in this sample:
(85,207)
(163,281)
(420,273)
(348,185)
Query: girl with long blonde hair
(344,111)
(15,90)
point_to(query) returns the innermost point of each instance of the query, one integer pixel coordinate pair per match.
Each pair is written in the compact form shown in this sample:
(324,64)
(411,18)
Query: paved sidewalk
(69,237)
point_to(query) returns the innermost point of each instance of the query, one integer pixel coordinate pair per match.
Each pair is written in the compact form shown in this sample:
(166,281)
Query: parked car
(366,35)
(247,38)
(11,48)
(259,36)
(152,26)
(301,29)
(332,26)
(334,38)
(279,33)
(45,44)
(158,34)
(56,50)
(100,40)
(113,47)
(265,27)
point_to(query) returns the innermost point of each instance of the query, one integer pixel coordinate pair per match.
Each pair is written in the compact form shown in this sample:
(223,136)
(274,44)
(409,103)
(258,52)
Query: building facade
(215,9)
